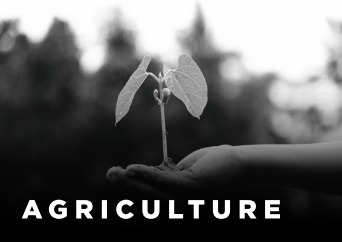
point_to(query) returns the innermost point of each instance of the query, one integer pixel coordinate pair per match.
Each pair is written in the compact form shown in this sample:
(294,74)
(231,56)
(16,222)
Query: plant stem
(164,133)
(154,77)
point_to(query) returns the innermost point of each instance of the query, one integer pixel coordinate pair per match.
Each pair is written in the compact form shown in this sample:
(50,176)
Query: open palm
(205,171)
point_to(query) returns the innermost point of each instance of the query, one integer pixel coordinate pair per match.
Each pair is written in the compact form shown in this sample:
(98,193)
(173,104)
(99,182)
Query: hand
(208,171)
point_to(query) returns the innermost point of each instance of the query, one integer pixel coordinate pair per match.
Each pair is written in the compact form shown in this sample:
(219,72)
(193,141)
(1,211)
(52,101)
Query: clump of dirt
(168,165)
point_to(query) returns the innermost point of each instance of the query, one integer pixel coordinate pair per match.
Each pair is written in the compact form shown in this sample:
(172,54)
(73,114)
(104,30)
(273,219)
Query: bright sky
(289,37)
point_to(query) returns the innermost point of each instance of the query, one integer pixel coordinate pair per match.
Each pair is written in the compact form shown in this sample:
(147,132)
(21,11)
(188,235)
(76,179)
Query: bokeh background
(273,69)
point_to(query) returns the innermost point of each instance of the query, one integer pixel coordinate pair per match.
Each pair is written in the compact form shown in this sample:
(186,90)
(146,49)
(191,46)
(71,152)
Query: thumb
(189,160)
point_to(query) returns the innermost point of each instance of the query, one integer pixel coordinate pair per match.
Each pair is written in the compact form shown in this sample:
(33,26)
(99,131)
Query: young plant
(186,82)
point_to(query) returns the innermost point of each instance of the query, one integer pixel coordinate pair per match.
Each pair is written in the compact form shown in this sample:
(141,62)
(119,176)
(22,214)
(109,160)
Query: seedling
(186,82)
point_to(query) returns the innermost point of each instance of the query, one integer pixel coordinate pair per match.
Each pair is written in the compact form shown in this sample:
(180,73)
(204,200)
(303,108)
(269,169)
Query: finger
(133,188)
(117,176)
(189,160)
(114,174)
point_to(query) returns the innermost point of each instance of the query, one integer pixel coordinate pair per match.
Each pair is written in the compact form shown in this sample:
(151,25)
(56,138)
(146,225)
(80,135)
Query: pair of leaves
(186,82)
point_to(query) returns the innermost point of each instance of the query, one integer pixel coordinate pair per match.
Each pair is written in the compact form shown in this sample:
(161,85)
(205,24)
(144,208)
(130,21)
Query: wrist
(249,162)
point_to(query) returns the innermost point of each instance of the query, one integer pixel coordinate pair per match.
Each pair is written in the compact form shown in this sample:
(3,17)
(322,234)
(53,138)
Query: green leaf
(188,84)
(127,93)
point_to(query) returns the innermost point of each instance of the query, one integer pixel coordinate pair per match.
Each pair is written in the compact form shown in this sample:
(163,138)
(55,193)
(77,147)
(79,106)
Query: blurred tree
(120,60)
(39,92)
(55,70)
(14,48)
(8,31)
(14,83)
(120,40)
(196,40)
(334,65)
(254,109)
(334,71)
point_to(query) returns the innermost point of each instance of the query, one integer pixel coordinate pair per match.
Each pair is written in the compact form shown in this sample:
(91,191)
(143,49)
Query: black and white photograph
(167,115)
